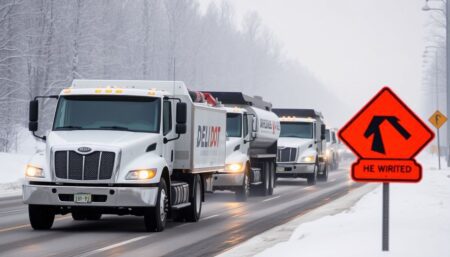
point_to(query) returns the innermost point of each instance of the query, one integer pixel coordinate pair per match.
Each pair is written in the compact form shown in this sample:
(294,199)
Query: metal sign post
(438,149)
(385,228)
(381,155)
(438,119)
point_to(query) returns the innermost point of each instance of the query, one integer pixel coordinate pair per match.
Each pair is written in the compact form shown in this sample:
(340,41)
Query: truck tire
(336,163)
(312,178)
(193,212)
(41,216)
(155,217)
(323,177)
(263,188)
(243,192)
(272,172)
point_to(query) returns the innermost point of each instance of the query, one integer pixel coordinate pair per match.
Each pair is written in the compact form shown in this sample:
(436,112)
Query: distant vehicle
(333,147)
(252,134)
(125,147)
(302,145)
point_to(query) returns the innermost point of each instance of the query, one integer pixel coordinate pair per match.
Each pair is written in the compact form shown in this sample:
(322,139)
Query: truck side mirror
(181,113)
(33,118)
(322,132)
(254,125)
(180,128)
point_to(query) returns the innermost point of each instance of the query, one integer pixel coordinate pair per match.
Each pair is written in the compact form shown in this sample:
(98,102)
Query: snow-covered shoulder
(12,170)
(420,224)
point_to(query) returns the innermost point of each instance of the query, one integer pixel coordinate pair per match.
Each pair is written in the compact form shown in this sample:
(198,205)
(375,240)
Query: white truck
(333,148)
(302,145)
(125,147)
(252,134)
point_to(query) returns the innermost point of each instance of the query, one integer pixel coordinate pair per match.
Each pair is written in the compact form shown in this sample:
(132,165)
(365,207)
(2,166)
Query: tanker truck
(332,152)
(125,147)
(302,145)
(252,134)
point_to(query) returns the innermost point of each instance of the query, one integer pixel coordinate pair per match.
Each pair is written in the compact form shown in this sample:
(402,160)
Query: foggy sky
(353,46)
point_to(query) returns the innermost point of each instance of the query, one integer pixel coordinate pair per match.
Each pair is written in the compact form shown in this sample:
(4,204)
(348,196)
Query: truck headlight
(235,167)
(309,159)
(141,174)
(34,172)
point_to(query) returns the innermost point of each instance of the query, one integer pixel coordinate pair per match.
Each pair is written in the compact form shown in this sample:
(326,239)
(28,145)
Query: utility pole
(447,38)
(446,13)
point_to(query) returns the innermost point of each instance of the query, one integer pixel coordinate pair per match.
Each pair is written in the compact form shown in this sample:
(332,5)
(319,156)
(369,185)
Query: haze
(353,47)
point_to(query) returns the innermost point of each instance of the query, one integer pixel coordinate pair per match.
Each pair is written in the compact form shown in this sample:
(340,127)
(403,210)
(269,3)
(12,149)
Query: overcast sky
(353,46)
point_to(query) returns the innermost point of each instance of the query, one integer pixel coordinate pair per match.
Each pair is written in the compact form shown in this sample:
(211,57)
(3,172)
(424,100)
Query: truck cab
(333,148)
(125,147)
(252,134)
(302,145)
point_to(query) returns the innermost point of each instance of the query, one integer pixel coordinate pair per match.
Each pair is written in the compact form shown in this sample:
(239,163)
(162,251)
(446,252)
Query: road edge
(283,232)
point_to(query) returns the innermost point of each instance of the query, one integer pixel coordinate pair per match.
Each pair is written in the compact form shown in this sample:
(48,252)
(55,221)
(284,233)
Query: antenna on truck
(174,73)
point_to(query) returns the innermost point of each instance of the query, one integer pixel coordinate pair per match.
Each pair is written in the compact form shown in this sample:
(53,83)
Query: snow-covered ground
(12,168)
(420,224)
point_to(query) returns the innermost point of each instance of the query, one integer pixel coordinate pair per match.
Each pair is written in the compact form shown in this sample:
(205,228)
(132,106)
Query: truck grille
(94,166)
(288,154)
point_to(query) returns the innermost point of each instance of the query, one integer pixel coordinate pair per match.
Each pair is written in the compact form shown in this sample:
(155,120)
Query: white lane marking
(27,225)
(109,247)
(12,211)
(308,187)
(333,180)
(210,217)
(270,199)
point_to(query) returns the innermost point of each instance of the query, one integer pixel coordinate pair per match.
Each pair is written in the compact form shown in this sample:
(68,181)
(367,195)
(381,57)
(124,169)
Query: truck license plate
(82,198)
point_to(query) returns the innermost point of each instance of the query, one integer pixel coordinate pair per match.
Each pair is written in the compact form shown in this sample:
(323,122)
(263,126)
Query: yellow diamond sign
(438,119)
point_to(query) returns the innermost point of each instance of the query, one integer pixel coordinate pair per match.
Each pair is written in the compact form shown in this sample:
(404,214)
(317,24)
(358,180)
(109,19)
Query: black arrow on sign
(374,129)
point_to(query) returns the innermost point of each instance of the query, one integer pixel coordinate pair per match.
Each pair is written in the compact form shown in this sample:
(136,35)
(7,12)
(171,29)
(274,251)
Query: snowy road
(224,224)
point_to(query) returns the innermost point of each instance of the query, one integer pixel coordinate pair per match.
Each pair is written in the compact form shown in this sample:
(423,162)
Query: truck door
(246,123)
(168,132)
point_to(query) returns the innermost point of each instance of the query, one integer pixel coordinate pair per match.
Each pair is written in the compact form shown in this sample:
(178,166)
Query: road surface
(224,223)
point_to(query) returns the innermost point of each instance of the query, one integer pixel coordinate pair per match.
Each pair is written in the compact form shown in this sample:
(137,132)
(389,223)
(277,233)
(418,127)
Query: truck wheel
(324,176)
(336,165)
(312,178)
(243,192)
(41,216)
(155,217)
(271,177)
(193,212)
(265,176)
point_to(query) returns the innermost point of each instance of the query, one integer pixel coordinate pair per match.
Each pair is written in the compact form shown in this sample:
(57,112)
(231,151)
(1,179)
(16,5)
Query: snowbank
(12,168)
(420,223)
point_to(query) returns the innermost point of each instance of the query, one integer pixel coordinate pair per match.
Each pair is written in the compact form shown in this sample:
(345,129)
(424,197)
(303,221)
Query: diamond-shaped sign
(386,135)
(437,119)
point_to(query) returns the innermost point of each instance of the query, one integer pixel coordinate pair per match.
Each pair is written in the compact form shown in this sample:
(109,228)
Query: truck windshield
(129,113)
(327,135)
(297,129)
(234,124)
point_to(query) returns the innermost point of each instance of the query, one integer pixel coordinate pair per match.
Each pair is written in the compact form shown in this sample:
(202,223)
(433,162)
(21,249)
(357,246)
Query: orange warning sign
(386,135)
(438,119)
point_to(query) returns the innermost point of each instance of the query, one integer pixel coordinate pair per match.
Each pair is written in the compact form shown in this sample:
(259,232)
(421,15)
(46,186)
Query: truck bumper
(294,169)
(101,196)
(223,180)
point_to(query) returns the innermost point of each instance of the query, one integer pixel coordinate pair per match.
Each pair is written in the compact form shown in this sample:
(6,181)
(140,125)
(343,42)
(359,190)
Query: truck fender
(148,160)
(39,160)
